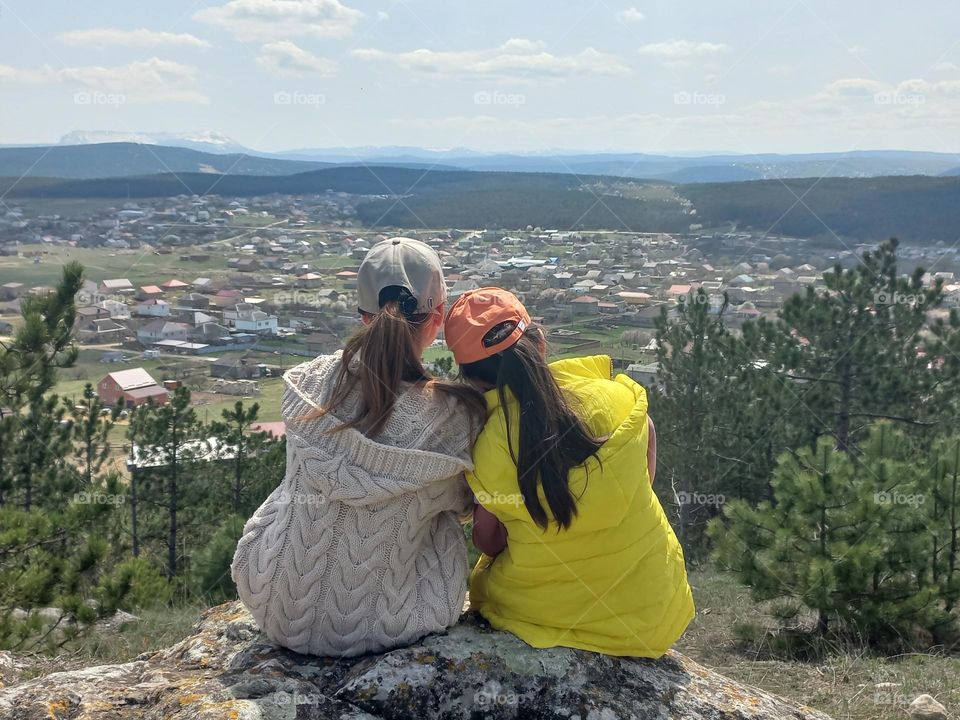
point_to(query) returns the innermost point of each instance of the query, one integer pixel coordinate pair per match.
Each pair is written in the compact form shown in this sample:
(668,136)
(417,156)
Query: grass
(841,685)
(142,266)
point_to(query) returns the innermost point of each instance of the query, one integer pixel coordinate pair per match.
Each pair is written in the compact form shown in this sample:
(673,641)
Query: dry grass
(842,684)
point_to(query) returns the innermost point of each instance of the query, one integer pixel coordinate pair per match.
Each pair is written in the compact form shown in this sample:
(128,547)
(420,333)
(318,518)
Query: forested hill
(914,208)
(105,160)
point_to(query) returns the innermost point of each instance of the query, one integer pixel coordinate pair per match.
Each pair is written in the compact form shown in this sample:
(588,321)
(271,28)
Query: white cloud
(854,87)
(275,19)
(630,15)
(11,74)
(140,37)
(287,58)
(518,59)
(944,66)
(683,52)
(144,81)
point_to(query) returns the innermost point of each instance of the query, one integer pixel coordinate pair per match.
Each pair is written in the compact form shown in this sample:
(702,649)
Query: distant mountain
(917,209)
(203,140)
(952,173)
(102,158)
(675,168)
(126,158)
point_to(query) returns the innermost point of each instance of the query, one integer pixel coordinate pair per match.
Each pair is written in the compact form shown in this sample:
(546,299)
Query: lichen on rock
(225,669)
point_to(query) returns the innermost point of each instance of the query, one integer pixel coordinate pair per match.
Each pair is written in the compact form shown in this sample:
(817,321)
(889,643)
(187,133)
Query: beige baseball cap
(400,262)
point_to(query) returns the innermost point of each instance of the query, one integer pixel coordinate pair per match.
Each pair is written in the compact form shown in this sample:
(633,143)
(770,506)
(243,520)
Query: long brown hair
(388,350)
(552,438)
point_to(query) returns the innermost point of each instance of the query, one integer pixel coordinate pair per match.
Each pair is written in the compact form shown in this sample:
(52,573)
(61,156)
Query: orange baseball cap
(476,313)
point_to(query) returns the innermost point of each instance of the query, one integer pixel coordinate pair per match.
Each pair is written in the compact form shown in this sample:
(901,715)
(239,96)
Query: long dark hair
(552,438)
(388,350)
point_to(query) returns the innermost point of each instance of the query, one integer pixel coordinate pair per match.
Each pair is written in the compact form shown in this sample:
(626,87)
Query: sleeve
(493,479)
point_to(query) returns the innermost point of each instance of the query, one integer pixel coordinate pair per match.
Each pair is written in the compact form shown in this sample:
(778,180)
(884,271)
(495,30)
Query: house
(256,321)
(675,292)
(236,368)
(117,310)
(211,333)
(248,265)
(585,305)
(116,285)
(154,308)
(322,343)
(91,312)
(12,290)
(100,331)
(135,386)
(174,284)
(309,280)
(646,375)
(195,301)
(149,291)
(160,329)
(635,298)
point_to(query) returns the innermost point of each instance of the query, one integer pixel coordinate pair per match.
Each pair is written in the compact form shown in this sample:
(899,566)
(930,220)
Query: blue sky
(538,76)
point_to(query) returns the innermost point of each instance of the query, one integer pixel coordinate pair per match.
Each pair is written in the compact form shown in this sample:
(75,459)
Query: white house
(159,329)
(154,308)
(256,321)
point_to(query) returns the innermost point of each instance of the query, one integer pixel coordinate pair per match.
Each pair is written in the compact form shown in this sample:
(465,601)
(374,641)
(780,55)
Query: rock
(924,707)
(117,620)
(10,668)
(224,669)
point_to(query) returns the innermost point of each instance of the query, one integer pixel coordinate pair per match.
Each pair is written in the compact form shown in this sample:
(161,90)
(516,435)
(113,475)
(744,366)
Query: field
(841,685)
(141,267)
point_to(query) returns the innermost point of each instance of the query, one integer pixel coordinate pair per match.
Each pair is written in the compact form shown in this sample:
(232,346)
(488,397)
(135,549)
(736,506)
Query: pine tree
(233,433)
(854,350)
(171,440)
(91,431)
(841,535)
(693,395)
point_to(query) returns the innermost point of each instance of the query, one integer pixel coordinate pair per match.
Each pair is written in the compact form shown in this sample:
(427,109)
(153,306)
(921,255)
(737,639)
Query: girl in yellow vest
(577,549)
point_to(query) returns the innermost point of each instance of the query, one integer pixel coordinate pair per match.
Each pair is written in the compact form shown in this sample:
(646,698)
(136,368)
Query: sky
(655,76)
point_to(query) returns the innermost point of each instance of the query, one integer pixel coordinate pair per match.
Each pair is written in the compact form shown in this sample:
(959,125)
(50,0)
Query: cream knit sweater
(359,549)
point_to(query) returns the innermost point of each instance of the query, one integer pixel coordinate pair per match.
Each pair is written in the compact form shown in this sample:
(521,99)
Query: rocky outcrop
(224,669)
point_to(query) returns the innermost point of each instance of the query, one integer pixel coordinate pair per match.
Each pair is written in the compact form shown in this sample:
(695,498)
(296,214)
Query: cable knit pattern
(359,549)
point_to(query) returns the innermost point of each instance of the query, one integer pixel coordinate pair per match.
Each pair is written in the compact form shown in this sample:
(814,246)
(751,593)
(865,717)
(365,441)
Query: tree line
(816,454)
(82,537)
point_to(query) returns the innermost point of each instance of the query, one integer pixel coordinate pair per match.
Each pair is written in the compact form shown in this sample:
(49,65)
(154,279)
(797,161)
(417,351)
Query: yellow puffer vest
(614,582)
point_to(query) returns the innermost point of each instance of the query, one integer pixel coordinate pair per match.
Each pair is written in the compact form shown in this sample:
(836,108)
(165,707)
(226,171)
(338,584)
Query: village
(223,295)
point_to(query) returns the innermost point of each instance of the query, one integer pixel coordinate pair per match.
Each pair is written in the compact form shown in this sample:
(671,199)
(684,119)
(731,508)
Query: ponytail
(387,350)
(552,438)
